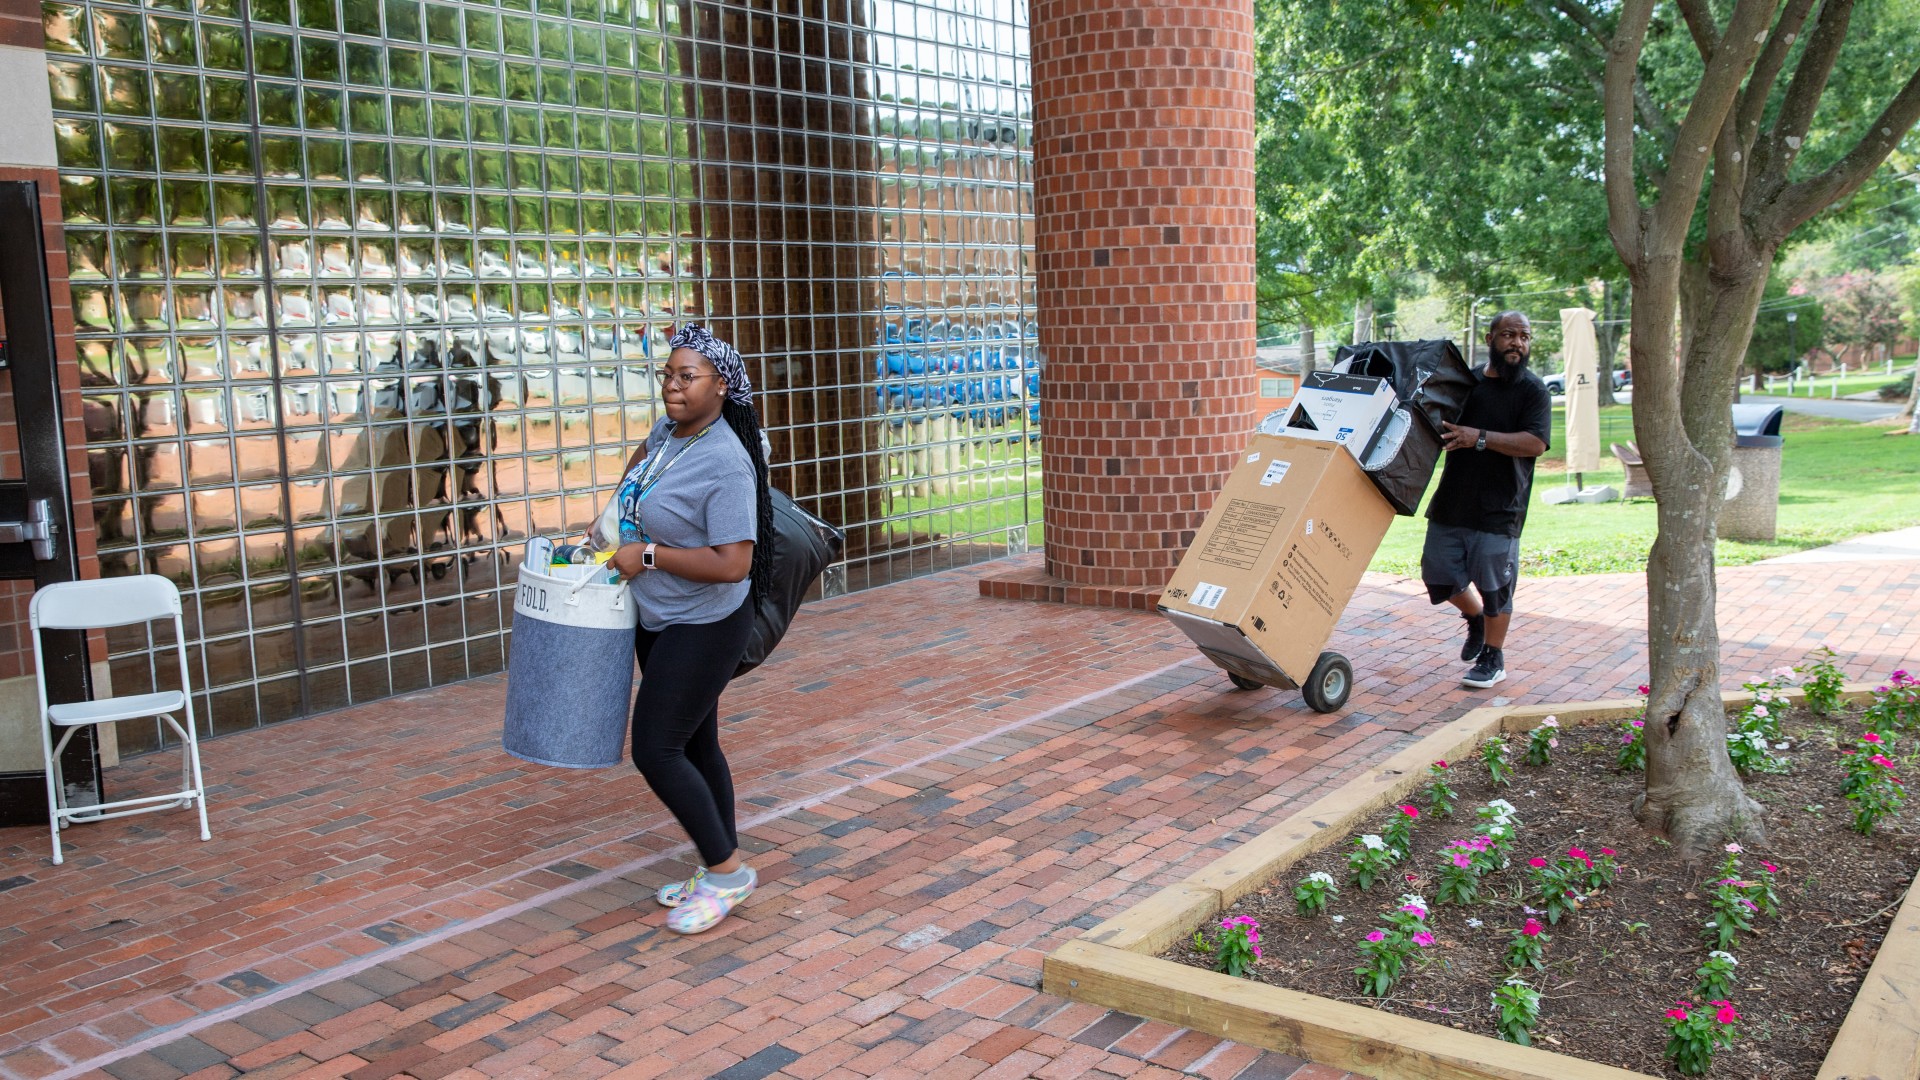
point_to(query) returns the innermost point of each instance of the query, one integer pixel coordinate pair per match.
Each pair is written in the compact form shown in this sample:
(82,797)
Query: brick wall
(1144,224)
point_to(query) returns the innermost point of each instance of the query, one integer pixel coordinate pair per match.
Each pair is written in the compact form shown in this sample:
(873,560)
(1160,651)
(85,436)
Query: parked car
(1557,383)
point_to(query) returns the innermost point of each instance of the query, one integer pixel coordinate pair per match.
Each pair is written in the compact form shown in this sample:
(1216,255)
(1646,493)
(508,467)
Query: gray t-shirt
(705,497)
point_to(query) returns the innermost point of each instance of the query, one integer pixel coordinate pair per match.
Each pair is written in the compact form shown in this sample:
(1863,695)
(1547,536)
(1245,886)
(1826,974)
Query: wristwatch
(646,553)
(1478,444)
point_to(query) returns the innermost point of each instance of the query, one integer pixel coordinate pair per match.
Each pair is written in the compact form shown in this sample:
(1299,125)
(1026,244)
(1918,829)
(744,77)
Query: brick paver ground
(937,789)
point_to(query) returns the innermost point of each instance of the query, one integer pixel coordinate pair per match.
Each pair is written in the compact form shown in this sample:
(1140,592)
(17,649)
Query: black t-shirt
(1484,489)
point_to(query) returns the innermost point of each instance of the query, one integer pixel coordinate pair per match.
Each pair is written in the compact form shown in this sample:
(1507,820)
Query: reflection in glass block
(66,28)
(331,209)
(118,36)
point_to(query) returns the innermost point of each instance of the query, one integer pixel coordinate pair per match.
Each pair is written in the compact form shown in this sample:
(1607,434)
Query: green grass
(1837,480)
(1857,383)
(992,493)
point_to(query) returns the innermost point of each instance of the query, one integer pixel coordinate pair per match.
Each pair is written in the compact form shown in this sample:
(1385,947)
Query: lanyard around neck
(650,476)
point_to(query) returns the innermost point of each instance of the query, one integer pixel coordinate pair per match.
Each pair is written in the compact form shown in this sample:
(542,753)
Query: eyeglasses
(669,377)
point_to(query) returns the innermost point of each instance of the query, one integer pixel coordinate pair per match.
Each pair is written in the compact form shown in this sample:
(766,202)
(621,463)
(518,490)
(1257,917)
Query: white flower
(1414,899)
(1322,877)
(1722,955)
(1783,746)
(1550,722)
(1373,842)
(1338,919)
(1475,923)
(1733,849)
(1503,807)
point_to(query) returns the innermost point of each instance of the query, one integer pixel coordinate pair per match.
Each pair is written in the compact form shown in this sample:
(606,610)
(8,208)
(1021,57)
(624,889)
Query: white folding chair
(92,605)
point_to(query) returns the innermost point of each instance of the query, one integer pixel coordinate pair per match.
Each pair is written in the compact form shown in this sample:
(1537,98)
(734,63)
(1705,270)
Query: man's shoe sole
(1498,677)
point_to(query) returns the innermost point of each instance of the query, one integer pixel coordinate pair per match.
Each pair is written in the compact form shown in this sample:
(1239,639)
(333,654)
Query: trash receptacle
(1753,489)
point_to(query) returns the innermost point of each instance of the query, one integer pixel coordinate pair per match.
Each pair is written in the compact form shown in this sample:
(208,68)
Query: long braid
(746,425)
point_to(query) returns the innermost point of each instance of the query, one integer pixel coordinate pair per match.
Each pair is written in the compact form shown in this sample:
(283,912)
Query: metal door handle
(37,529)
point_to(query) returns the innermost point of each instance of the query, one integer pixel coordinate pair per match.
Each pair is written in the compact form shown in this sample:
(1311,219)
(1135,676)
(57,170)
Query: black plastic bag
(803,546)
(1428,375)
(1432,383)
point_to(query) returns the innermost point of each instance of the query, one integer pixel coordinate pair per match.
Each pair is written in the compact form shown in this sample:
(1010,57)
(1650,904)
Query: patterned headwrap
(724,357)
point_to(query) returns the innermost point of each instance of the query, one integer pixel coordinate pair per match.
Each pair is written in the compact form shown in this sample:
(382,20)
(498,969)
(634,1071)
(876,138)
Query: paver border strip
(1117,965)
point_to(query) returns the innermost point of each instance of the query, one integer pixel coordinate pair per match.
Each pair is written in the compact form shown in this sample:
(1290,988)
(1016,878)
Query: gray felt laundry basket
(570,674)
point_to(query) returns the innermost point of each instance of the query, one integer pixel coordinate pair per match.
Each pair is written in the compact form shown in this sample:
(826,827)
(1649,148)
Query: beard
(1507,364)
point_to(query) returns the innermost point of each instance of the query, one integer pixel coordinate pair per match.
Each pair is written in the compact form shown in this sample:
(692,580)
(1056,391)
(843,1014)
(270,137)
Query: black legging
(676,724)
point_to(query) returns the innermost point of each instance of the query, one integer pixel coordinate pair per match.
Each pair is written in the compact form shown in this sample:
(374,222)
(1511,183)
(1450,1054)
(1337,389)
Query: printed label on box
(1208,596)
(1276,472)
(1245,528)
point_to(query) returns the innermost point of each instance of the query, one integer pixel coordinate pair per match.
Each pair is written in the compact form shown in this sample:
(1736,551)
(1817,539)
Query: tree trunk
(1363,320)
(1607,337)
(1913,400)
(1693,795)
(1306,350)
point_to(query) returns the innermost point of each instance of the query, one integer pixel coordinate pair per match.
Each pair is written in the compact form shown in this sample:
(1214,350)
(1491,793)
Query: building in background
(366,292)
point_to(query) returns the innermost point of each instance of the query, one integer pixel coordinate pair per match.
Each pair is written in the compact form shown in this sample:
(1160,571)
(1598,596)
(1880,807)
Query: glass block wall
(369,291)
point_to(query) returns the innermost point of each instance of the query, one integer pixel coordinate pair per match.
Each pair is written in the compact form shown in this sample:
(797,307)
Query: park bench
(1638,485)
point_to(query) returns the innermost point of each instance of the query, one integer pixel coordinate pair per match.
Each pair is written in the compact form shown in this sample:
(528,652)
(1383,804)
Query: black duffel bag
(1432,382)
(803,546)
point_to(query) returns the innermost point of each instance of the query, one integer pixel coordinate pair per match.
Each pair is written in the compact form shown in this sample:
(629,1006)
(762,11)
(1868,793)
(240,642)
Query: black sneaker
(1476,637)
(1491,668)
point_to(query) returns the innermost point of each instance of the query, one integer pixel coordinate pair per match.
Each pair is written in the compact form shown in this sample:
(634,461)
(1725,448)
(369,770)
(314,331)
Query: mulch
(1617,965)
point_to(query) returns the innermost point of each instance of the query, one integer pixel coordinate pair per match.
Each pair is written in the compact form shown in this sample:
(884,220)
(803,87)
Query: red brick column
(1143,152)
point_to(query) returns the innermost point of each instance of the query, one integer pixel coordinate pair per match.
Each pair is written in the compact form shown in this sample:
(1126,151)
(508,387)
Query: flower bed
(1613,965)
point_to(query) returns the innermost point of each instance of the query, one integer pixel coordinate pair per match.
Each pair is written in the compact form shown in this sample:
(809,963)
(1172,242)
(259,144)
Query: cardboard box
(1340,408)
(1278,557)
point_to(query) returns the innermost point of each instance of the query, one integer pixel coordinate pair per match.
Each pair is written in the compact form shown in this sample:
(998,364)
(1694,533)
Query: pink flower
(1418,911)
(1607,851)
(1462,860)
(1771,869)
(1734,848)
(1533,928)
(1726,1015)
(1645,689)
(1639,723)
(1410,812)
(1899,676)
(1872,737)
(1579,853)
(1881,760)
(1627,739)
(1537,863)
(1377,935)
(1423,938)
(1677,1013)
(1439,764)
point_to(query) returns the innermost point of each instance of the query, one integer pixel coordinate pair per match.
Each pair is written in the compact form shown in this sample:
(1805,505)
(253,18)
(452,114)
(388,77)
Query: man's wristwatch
(646,553)
(1478,444)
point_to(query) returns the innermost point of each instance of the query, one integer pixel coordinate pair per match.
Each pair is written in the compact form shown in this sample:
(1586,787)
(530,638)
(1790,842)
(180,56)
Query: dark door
(36,512)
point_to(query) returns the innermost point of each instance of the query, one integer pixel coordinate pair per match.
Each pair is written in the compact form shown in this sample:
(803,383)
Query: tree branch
(1593,42)
(1699,20)
(1337,69)
(1809,83)
(1687,165)
(1753,101)
(1796,203)
(1622,74)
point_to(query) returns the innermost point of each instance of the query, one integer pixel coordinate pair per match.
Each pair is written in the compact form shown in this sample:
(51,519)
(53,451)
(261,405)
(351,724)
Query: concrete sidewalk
(1902,544)
(937,790)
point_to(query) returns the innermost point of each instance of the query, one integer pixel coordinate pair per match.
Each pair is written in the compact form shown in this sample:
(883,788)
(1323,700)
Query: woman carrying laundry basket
(694,514)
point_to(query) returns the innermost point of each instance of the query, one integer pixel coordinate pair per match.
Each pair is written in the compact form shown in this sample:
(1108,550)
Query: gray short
(1456,557)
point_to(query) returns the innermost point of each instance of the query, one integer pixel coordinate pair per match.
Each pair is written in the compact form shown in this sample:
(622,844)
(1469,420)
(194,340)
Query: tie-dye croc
(708,904)
(675,893)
